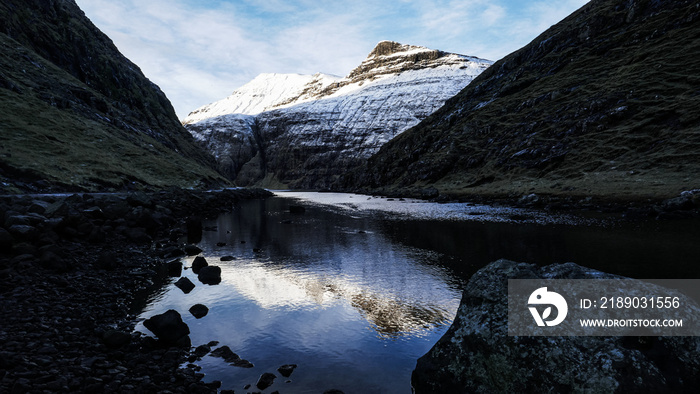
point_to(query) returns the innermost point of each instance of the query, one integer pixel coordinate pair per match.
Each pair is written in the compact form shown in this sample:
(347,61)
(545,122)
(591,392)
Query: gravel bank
(74,271)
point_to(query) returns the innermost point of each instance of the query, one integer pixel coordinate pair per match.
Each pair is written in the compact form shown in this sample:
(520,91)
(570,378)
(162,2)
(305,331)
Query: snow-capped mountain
(264,93)
(303,131)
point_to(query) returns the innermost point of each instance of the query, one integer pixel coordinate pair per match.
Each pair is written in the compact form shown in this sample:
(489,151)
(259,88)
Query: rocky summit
(288,130)
(77,115)
(603,104)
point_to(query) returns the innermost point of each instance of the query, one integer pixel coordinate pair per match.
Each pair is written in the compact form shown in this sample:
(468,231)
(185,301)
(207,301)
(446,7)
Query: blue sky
(200,51)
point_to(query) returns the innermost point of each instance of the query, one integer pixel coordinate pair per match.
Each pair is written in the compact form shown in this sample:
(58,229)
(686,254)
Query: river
(356,288)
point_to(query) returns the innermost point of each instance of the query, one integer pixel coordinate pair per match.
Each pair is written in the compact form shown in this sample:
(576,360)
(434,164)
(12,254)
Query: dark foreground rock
(185,285)
(286,370)
(169,328)
(265,380)
(71,291)
(230,357)
(210,275)
(476,355)
(199,311)
(199,263)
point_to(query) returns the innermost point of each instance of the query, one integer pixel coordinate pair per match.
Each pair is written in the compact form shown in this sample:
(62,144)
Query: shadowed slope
(76,114)
(606,103)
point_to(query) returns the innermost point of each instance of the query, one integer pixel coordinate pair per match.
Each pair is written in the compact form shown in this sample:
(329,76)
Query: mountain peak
(386,48)
(390,57)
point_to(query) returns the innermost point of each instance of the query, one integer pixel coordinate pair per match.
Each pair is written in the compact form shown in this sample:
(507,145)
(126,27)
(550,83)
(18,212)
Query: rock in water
(265,381)
(477,355)
(184,284)
(169,328)
(199,263)
(210,275)
(226,353)
(199,311)
(286,370)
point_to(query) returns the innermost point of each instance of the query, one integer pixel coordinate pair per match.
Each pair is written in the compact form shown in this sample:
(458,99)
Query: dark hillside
(76,114)
(606,103)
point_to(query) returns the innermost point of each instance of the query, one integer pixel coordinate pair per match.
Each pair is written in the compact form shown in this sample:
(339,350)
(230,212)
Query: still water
(356,288)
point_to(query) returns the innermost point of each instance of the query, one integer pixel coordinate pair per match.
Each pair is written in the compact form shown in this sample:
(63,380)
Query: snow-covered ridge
(270,91)
(263,93)
(306,131)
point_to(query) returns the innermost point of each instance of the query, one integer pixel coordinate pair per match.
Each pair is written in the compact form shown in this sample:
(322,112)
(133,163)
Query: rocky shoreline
(73,271)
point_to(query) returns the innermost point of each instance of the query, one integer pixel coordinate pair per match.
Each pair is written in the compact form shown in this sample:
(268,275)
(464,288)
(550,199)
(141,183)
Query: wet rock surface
(185,284)
(199,311)
(477,355)
(169,328)
(210,275)
(73,285)
(265,380)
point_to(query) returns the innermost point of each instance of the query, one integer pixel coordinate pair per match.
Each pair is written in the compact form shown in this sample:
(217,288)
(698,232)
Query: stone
(115,339)
(529,200)
(94,212)
(286,370)
(210,275)
(174,268)
(227,258)
(185,285)
(38,206)
(242,364)
(297,209)
(226,353)
(265,380)
(199,311)
(231,357)
(202,350)
(476,354)
(192,250)
(199,263)
(23,231)
(59,208)
(168,327)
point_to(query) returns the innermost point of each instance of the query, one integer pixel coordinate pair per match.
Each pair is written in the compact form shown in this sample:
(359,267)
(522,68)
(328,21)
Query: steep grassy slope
(76,114)
(606,103)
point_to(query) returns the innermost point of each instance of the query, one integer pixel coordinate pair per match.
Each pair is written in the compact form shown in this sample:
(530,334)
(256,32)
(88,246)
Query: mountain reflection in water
(284,287)
(324,290)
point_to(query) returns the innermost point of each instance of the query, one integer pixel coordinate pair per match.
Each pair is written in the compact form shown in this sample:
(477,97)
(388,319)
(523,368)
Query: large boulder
(169,328)
(476,355)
